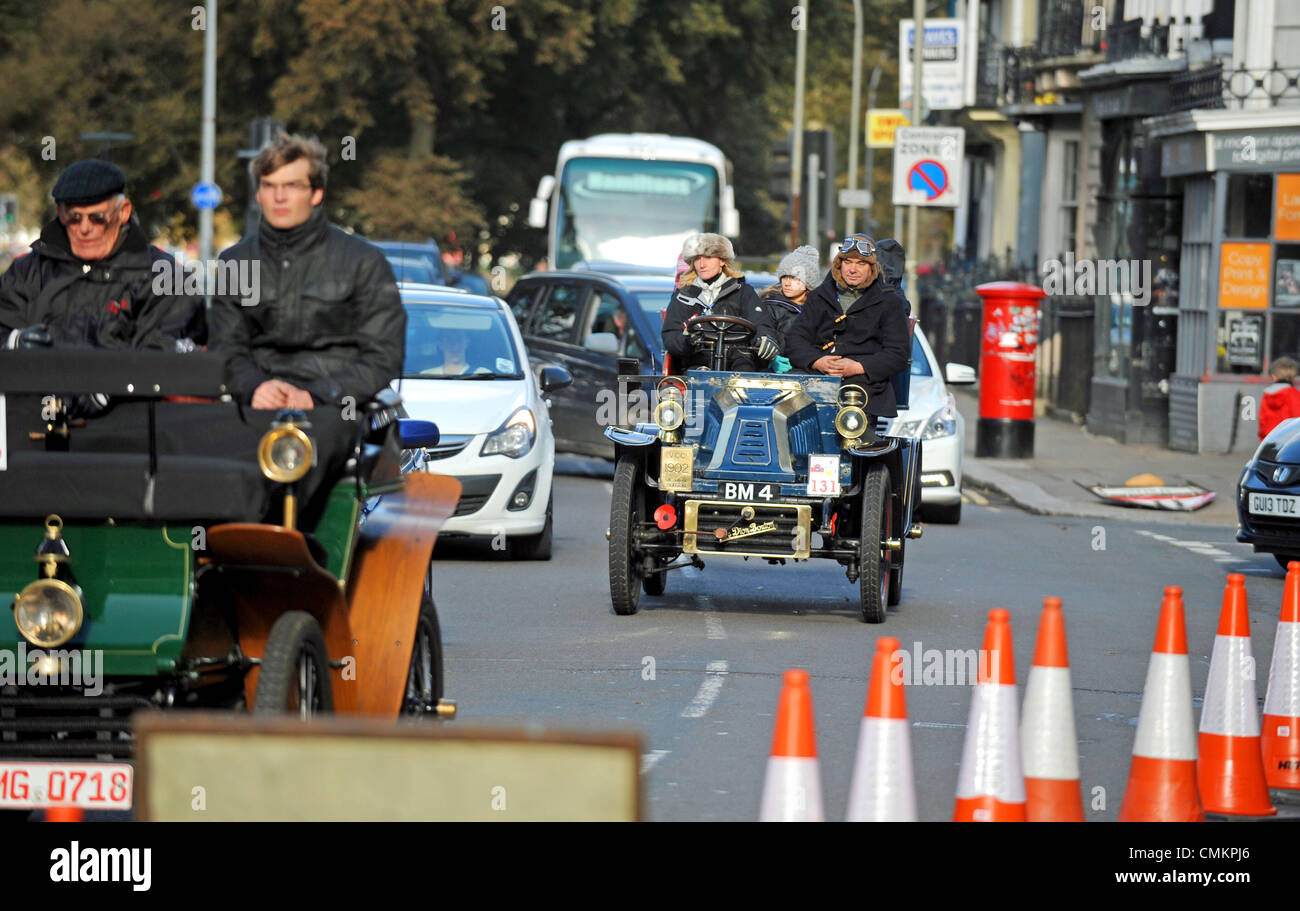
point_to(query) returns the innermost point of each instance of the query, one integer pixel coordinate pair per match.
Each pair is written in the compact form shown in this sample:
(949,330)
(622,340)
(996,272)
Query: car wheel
(1284,559)
(295,674)
(626,513)
(538,546)
(874,571)
(655,583)
(944,513)
(424,678)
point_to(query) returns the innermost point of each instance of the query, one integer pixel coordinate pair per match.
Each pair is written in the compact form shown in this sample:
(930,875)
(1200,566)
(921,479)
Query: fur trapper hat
(708,245)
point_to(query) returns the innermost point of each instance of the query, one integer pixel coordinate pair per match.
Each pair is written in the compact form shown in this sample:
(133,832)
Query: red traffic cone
(1162,779)
(1049,744)
(990,785)
(792,790)
(1280,734)
(883,789)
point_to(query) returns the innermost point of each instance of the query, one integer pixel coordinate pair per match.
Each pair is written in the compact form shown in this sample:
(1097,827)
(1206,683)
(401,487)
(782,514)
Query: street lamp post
(796,150)
(850,212)
(207,168)
(913,215)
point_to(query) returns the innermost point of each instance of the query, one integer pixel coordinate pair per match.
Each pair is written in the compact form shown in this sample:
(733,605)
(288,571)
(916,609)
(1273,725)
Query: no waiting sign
(927,166)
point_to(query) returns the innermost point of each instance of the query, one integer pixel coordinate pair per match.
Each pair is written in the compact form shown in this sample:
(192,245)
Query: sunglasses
(95,218)
(865,247)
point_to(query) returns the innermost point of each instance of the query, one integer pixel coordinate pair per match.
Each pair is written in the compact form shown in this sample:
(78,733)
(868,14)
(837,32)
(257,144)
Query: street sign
(943,72)
(205,195)
(881,125)
(855,199)
(928,166)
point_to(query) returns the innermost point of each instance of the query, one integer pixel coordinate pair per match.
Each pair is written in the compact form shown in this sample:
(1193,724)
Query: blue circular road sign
(206,195)
(928,177)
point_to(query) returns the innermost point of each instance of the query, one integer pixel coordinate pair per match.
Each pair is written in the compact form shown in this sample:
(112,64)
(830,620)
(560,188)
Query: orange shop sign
(1287,226)
(1243,275)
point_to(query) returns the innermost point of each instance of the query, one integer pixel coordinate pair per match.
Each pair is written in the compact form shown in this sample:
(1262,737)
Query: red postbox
(1007,351)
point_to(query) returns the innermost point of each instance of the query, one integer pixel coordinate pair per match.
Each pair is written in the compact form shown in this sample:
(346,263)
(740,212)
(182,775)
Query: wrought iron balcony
(1125,40)
(1215,87)
(1060,29)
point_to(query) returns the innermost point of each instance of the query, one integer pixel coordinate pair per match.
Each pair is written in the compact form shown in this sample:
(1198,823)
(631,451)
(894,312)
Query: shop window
(1250,205)
(1286,285)
(1286,337)
(1069,196)
(1240,342)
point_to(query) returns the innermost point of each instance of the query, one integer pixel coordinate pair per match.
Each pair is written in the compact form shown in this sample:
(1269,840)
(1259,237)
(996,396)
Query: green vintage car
(176,553)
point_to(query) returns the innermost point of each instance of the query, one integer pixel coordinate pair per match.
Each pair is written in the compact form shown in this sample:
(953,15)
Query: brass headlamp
(49,611)
(285,455)
(851,420)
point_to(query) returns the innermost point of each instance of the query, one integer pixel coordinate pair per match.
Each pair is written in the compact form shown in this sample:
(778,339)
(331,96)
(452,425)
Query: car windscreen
(413,269)
(920,363)
(455,342)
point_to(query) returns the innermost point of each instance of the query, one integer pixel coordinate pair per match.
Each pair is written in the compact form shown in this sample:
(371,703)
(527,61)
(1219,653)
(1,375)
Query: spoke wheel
(626,513)
(424,679)
(295,674)
(874,569)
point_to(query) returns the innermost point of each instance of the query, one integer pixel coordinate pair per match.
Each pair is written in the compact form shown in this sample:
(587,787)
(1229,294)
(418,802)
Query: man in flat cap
(88,282)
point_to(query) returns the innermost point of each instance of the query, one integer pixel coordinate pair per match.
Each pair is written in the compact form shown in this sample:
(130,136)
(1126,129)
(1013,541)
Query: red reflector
(665,516)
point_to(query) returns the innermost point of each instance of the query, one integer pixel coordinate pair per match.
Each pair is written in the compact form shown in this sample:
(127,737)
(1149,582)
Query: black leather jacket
(328,319)
(735,298)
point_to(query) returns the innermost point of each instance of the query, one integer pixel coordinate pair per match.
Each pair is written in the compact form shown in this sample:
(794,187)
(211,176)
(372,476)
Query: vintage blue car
(774,466)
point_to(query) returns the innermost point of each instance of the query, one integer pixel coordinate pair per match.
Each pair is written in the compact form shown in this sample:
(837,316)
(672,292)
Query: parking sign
(928,165)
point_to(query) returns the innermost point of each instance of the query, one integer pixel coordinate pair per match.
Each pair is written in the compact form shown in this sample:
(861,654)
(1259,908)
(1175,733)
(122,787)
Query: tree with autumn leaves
(440,115)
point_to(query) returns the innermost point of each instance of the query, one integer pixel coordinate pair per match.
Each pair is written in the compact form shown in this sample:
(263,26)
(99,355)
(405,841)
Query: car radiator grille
(65,723)
(447,447)
(751,446)
(475,491)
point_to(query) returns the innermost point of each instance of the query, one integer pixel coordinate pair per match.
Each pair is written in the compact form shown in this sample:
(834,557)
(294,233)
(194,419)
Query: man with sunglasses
(854,325)
(88,282)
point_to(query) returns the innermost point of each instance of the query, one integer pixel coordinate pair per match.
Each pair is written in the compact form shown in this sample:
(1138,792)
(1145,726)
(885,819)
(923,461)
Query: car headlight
(851,419)
(285,453)
(943,423)
(48,612)
(670,413)
(515,438)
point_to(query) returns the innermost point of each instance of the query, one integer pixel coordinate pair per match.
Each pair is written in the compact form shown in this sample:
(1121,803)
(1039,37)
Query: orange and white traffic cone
(883,789)
(792,790)
(990,785)
(1162,779)
(1280,734)
(1230,765)
(1049,745)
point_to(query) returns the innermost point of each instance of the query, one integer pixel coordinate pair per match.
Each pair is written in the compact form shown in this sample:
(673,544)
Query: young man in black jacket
(854,325)
(329,324)
(712,286)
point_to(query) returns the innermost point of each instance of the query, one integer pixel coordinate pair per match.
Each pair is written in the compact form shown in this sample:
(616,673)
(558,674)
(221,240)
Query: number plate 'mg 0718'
(676,467)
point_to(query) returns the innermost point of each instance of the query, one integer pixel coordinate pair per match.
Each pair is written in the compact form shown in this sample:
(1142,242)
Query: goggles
(862,245)
(95,218)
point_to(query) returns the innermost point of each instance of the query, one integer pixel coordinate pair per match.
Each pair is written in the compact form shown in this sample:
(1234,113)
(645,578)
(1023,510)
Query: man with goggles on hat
(853,325)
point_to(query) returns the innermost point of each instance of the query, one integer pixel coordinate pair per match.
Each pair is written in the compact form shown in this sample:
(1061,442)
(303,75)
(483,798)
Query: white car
(467,371)
(932,415)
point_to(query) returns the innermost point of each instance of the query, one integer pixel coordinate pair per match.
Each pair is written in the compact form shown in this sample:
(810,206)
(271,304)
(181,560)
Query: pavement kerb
(1029,496)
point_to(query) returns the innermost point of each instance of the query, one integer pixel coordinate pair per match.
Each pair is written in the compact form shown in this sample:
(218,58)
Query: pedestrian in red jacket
(1280,400)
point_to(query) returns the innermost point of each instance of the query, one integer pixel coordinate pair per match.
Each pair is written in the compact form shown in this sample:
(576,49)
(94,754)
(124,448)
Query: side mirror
(959,375)
(537,207)
(415,433)
(554,378)
(602,343)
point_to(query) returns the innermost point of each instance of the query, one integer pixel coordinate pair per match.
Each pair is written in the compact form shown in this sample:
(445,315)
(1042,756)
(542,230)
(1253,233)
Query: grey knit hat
(804,264)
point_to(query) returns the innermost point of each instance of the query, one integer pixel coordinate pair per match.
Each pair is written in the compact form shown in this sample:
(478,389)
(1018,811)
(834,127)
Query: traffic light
(780,189)
(8,210)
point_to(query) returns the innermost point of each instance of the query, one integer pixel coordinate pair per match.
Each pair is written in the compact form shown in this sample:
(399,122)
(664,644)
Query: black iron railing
(988,75)
(1060,29)
(1018,74)
(1131,38)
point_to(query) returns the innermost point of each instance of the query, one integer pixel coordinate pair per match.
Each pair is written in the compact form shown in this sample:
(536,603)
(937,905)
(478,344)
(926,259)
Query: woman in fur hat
(713,286)
(799,272)
(854,325)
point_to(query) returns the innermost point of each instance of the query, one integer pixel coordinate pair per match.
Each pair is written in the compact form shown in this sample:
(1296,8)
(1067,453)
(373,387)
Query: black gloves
(31,337)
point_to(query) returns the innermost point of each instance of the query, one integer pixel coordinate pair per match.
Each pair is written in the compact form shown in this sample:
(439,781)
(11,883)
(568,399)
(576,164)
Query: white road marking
(937,724)
(651,759)
(1200,548)
(708,692)
(975,497)
(713,627)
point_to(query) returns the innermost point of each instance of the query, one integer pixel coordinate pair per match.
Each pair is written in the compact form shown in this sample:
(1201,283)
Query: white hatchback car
(932,415)
(467,371)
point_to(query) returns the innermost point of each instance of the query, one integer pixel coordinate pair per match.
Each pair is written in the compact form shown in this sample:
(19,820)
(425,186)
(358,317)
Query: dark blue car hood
(1282,445)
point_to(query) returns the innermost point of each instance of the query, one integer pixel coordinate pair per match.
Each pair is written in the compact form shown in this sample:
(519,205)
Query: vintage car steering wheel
(720,330)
